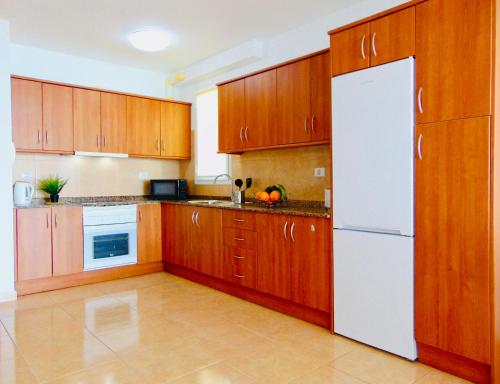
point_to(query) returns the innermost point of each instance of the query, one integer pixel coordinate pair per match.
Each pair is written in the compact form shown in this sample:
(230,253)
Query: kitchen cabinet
(57,118)
(113,123)
(143,126)
(67,240)
(260,129)
(455,59)
(34,245)
(388,38)
(350,49)
(87,120)
(177,224)
(175,130)
(321,97)
(27,129)
(231,115)
(240,266)
(452,237)
(149,236)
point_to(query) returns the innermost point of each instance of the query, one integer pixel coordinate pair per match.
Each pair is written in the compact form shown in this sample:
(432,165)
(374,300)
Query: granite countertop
(290,207)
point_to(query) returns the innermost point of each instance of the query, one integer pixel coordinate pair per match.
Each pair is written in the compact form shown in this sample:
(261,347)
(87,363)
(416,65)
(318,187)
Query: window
(209,163)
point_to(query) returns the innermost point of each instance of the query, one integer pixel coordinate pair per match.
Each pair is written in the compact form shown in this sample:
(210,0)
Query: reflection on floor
(162,329)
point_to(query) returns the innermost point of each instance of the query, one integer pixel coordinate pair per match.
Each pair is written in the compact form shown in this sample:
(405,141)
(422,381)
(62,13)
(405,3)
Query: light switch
(319,172)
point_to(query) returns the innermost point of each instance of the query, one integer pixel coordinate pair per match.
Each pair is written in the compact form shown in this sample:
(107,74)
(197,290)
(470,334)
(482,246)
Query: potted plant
(52,186)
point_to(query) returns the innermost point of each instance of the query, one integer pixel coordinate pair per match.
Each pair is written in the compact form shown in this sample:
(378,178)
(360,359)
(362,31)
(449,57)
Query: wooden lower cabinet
(149,236)
(67,240)
(240,266)
(452,237)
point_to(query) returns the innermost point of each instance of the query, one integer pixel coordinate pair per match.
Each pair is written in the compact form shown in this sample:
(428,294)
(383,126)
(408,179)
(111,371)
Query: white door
(372,141)
(373,290)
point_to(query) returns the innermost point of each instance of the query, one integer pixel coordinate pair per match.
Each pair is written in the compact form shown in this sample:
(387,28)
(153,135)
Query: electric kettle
(23,193)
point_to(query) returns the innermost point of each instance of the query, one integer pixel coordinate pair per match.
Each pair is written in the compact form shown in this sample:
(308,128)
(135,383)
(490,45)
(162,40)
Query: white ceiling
(200,28)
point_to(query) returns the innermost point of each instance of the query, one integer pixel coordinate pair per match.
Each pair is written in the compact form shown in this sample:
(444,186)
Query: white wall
(7,291)
(55,66)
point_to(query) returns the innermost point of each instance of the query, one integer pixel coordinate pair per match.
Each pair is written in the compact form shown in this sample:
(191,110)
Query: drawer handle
(239,257)
(238,276)
(239,220)
(239,239)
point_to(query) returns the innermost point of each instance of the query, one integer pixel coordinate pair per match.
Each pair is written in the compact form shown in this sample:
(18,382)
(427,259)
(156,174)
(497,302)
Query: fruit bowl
(272,196)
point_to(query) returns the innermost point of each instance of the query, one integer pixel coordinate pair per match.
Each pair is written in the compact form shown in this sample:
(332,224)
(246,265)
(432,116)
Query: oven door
(107,246)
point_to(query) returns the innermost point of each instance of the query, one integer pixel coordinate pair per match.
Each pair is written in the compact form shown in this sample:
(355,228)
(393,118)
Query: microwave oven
(168,189)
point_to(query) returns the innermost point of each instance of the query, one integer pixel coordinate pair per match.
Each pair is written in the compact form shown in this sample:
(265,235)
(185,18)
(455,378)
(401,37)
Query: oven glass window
(164,189)
(106,246)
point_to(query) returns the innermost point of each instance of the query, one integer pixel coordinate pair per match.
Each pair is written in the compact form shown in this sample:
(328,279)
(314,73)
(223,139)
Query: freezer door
(373,290)
(372,144)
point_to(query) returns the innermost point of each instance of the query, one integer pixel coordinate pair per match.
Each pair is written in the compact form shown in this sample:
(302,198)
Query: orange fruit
(275,196)
(263,196)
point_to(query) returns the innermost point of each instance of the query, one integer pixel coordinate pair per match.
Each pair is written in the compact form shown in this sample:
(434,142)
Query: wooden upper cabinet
(57,118)
(34,245)
(321,97)
(454,54)
(231,116)
(149,233)
(143,126)
(294,102)
(87,120)
(67,240)
(452,237)
(175,130)
(393,37)
(350,49)
(27,114)
(310,262)
(113,123)
(260,110)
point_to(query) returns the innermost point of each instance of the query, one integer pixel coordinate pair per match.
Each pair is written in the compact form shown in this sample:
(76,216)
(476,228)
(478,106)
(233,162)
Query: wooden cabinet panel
(87,120)
(113,122)
(57,118)
(294,102)
(321,96)
(175,130)
(349,49)
(454,54)
(149,237)
(273,261)
(34,244)
(240,266)
(236,219)
(27,114)
(67,240)
(240,238)
(231,98)
(393,37)
(452,237)
(143,126)
(177,230)
(260,110)
(311,262)
(206,242)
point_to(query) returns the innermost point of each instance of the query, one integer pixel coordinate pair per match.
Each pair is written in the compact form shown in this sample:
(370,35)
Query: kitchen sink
(219,203)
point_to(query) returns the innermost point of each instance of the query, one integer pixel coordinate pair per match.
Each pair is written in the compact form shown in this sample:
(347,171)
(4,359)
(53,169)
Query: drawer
(240,238)
(237,219)
(240,266)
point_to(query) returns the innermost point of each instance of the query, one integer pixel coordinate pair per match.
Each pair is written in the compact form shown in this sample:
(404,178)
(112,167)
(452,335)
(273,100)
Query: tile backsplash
(94,176)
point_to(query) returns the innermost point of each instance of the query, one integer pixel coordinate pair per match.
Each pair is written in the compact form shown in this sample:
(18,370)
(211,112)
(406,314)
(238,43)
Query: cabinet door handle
(140,215)
(239,257)
(97,141)
(291,232)
(284,229)
(196,219)
(420,106)
(313,128)
(47,220)
(239,239)
(38,136)
(305,124)
(246,134)
(374,48)
(241,134)
(239,276)
(419,147)
(104,140)
(55,220)
(239,220)
(363,55)
(192,217)
(46,137)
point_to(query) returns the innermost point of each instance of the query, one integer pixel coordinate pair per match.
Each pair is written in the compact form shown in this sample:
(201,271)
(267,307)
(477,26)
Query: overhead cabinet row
(61,119)
(285,106)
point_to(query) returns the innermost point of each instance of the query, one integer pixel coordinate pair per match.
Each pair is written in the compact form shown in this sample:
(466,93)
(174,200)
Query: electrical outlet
(319,172)
(143,175)
(26,175)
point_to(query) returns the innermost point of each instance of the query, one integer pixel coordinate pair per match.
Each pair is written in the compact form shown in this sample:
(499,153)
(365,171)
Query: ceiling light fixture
(149,40)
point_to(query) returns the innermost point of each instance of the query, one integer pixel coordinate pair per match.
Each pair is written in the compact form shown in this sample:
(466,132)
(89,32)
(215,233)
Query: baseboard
(8,296)
(27,287)
(460,366)
(310,315)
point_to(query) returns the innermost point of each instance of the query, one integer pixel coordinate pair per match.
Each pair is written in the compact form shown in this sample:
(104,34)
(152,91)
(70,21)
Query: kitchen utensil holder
(238,197)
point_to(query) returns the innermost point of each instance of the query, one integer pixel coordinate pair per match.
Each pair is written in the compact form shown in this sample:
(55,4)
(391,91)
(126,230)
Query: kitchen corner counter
(291,207)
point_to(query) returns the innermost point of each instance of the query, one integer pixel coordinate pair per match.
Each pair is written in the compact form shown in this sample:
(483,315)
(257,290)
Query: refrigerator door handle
(369,229)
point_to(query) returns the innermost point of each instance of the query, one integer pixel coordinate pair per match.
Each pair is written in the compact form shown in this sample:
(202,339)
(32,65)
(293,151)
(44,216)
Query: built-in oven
(110,236)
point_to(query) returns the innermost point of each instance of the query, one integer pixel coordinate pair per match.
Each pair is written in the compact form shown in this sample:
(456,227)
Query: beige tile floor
(162,329)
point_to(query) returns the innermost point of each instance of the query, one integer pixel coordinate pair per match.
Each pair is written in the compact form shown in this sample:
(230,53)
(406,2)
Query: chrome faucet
(222,175)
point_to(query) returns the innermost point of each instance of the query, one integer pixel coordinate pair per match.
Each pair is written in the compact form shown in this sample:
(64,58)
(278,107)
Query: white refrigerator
(373,204)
